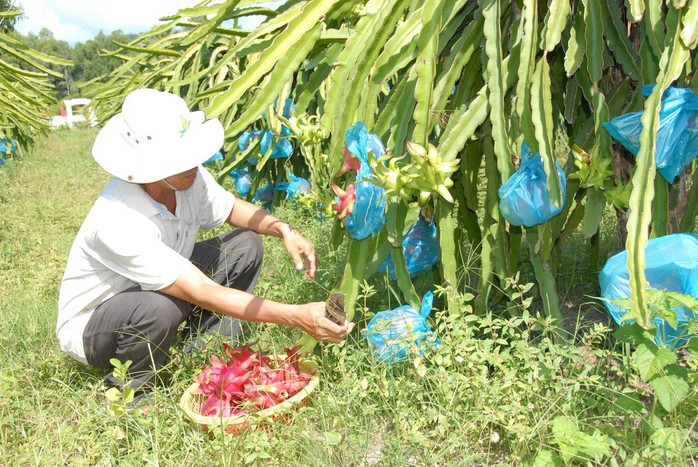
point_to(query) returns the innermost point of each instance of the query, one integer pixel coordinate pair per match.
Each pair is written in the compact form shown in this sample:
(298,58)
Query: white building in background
(76,111)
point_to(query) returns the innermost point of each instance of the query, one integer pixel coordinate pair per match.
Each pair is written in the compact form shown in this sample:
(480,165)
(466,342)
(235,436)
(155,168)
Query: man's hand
(301,250)
(245,214)
(313,321)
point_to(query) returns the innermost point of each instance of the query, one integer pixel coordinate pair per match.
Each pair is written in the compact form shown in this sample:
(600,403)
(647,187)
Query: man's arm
(253,217)
(195,287)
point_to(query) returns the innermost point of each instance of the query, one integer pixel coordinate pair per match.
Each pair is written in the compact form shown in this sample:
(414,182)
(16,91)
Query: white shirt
(129,239)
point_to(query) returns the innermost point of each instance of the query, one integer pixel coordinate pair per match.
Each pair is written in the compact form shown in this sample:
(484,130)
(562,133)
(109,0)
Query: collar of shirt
(135,196)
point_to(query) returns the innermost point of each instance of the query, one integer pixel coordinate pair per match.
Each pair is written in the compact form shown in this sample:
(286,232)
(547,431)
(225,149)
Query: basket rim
(307,366)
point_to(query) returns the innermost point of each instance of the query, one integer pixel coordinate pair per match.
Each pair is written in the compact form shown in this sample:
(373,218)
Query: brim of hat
(137,165)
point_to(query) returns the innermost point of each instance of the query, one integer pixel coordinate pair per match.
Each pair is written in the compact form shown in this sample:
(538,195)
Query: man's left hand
(302,251)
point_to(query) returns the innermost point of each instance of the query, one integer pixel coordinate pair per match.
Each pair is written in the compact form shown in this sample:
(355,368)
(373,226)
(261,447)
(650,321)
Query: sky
(81,20)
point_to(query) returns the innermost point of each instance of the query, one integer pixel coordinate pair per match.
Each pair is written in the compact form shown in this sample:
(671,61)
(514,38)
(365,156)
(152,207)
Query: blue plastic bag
(671,265)
(396,334)
(360,142)
(677,136)
(218,156)
(281,150)
(296,186)
(420,248)
(264,196)
(368,216)
(524,199)
(243,180)
(7,146)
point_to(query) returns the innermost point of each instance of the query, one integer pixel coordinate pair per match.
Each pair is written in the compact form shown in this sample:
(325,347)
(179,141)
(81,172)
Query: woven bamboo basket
(280,413)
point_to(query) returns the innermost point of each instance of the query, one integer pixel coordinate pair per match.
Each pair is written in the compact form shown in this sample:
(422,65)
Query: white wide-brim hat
(154,137)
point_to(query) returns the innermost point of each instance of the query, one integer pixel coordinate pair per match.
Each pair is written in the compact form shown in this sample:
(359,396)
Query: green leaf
(399,50)
(654,28)
(353,66)
(593,36)
(112,394)
(642,195)
(555,23)
(332,438)
(547,458)
(388,113)
(455,62)
(490,225)
(595,205)
(671,442)
(28,59)
(618,42)
(630,403)
(446,224)
(670,390)
(402,118)
(689,33)
(203,29)
(632,333)
(576,45)
(462,125)
(199,10)
(526,69)
(542,111)
(301,29)
(21,48)
(573,443)
(491,11)
(692,346)
(651,360)
(145,50)
(277,79)
(346,83)
(395,226)
(7,68)
(637,8)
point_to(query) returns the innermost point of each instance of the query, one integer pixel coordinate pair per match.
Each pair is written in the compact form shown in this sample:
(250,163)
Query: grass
(493,394)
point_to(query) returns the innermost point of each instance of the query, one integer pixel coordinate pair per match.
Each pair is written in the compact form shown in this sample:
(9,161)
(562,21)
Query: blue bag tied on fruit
(264,196)
(296,186)
(7,146)
(395,335)
(243,180)
(218,156)
(671,265)
(677,136)
(367,215)
(524,199)
(420,247)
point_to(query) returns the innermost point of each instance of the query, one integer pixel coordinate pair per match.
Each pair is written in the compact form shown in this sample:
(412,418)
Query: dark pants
(140,325)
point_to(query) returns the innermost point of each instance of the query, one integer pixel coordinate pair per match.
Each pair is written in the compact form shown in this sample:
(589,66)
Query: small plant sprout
(122,397)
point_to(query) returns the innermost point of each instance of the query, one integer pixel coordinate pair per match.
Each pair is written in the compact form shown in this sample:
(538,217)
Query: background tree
(7,23)
(93,59)
(26,93)
(46,43)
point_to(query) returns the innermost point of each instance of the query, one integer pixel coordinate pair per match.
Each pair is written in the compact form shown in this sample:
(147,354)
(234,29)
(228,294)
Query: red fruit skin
(249,379)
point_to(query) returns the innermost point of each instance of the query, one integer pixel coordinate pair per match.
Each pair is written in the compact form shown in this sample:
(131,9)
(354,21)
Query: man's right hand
(314,322)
